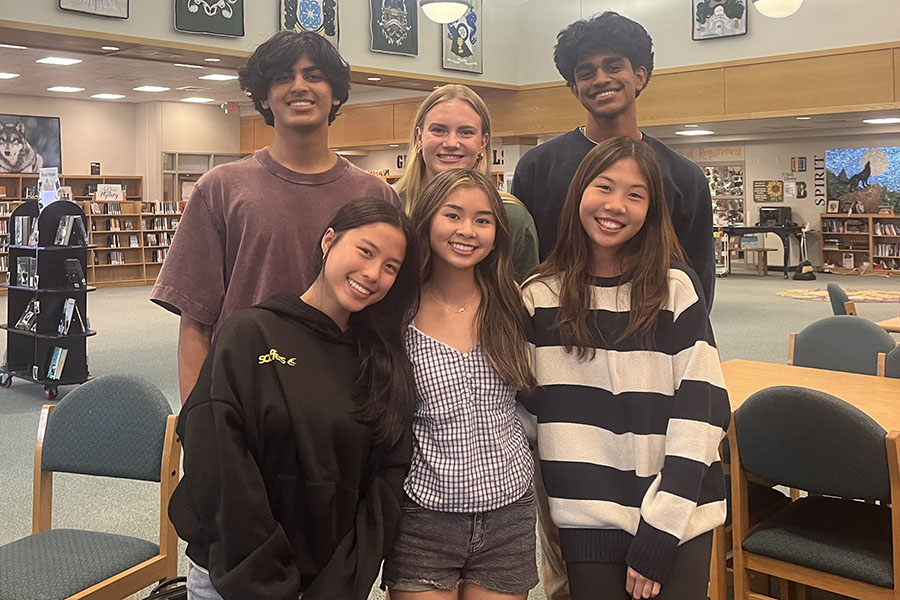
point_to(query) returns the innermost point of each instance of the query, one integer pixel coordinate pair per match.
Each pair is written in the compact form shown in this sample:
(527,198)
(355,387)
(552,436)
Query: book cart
(47,326)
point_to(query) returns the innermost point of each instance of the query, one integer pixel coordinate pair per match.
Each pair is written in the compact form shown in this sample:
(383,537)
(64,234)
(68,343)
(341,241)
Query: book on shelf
(29,318)
(26,233)
(129,226)
(26,271)
(79,232)
(113,208)
(112,241)
(152,239)
(113,225)
(134,241)
(74,274)
(65,321)
(115,257)
(57,362)
(95,208)
(64,230)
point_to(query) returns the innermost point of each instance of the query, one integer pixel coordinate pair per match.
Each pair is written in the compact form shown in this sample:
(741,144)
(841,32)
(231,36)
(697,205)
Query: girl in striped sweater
(631,404)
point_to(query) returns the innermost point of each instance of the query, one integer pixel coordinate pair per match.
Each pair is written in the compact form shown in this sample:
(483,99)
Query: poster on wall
(714,19)
(726,186)
(28,144)
(461,42)
(213,17)
(395,26)
(318,16)
(768,191)
(868,178)
(102,8)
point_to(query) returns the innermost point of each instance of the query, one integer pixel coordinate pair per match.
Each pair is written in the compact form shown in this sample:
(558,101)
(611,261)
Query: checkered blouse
(471,454)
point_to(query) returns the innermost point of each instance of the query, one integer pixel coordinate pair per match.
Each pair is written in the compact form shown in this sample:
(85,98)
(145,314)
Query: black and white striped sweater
(629,439)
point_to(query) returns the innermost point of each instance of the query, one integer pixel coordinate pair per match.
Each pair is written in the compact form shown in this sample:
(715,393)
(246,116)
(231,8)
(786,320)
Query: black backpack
(170,589)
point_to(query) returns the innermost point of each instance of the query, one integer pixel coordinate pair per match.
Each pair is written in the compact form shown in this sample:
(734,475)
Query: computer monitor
(774,216)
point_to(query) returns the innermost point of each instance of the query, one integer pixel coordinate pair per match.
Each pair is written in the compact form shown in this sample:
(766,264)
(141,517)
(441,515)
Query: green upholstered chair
(837,538)
(889,363)
(113,426)
(840,343)
(841,304)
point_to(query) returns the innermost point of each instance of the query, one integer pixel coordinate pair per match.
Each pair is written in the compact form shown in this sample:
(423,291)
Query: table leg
(787,255)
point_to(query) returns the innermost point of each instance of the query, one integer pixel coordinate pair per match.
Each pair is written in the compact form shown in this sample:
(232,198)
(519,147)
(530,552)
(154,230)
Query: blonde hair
(412,182)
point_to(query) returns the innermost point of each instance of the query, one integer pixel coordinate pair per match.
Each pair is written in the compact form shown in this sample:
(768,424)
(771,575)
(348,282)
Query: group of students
(369,395)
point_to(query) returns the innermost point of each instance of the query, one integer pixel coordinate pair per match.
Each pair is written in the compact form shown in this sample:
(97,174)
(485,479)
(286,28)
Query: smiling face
(451,137)
(301,97)
(606,84)
(463,229)
(612,211)
(360,267)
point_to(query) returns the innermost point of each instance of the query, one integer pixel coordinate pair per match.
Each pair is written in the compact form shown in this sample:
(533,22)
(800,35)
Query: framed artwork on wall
(103,8)
(461,42)
(29,144)
(318,16)
(213,17)
(395,26)
(714,19)
(833,206)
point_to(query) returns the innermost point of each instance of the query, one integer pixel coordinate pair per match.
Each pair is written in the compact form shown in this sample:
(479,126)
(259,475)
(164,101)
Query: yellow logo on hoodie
(273,355)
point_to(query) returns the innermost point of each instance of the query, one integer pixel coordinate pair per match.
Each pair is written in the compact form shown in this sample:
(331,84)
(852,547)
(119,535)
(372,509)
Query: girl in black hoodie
(296,436)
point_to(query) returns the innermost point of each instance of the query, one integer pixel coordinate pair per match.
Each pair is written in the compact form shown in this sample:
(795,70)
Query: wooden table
(878,397)
(891,325)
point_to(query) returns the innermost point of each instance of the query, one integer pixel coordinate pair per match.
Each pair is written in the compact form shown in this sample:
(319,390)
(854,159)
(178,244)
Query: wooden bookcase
(871,238)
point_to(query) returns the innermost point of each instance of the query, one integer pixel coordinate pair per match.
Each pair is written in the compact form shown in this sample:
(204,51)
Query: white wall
(199,128)
(91,131)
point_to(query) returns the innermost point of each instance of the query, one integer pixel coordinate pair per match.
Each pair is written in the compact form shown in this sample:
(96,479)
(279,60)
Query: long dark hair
(385,375)
(501,315)
(646,257)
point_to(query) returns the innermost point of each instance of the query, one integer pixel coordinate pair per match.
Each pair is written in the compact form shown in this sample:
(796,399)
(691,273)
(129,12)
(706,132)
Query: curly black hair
(280,53)
(610,32)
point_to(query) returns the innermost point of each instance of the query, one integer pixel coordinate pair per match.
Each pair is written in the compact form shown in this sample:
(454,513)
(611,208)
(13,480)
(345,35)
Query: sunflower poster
(768,191)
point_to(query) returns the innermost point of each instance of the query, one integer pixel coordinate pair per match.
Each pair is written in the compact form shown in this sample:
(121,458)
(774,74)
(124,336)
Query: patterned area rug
(821,295)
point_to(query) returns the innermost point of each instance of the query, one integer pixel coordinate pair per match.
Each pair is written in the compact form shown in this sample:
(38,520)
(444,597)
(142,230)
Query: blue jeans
(198,584)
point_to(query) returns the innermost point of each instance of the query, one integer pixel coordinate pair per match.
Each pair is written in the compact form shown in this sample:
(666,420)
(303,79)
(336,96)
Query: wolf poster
(395,26)
(318,16)
(461,41)
(28,144)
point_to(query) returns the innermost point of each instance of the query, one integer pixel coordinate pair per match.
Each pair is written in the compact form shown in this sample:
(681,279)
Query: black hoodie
(283,490)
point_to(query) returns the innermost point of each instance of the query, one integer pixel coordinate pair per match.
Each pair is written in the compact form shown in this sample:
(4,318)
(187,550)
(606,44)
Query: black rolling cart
(47,326)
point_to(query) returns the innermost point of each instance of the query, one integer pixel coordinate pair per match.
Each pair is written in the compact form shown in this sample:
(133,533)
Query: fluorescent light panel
(197,100)
(691,132)
(151,88)
(58,60)
(108,96)
(186,66)
(8,75)
(13,46)
(218,77)
(882,121)
(65,89)
(109,48)
(210,59)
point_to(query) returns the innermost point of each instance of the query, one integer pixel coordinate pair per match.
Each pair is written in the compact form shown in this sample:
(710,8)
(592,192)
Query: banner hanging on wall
(213,17)
(461,42)
(318,16)
(395,27)
(103,8)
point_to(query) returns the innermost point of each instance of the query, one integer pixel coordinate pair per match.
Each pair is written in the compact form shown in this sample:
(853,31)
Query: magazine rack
(42,328)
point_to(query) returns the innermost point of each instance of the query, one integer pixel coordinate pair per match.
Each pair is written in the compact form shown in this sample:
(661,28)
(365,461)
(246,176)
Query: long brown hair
(646,257)
(501,316)
(413,180)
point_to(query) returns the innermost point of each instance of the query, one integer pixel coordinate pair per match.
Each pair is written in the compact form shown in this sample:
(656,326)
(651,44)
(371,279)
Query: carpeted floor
(749,317)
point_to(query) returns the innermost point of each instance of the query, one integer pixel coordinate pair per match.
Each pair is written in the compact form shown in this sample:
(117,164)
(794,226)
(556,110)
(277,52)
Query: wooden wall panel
(363,124)
(247,145)
(534,111)
(840,80)
(682,96)
(896,74)
(262,133)
(404,116)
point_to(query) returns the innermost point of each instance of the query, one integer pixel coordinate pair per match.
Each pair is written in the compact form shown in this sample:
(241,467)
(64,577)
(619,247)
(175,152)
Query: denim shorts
(440,550)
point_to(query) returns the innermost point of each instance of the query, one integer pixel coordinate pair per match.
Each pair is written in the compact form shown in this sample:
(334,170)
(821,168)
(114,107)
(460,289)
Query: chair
(841,343)
(889,363)
(112,426)
(830,540)
(841,304)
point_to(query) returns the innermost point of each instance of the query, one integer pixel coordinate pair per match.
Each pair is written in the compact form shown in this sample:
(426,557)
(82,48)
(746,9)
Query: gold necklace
(456,310)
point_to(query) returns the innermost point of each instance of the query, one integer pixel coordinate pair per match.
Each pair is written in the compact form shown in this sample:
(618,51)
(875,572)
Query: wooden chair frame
(790,573)
(162,566)
(850,308)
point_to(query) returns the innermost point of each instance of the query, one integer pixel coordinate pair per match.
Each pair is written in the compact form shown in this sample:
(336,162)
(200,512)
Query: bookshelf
(848,241)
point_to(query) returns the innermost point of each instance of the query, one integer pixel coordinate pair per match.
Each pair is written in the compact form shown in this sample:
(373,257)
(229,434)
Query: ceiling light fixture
(211,59)
(108,96)
(151,88)
(13,47)
(65,89)
(186,66)
(218,77)
(56,60)
(445,11)
(882,121)
(692,126)
(777,9)
(109,48)
(373,78)
(804,118)
(198,100)
(694,132)
(395,145)
(8,75)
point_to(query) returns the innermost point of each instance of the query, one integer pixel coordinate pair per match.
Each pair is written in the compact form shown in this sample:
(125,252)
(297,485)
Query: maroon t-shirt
(250,231)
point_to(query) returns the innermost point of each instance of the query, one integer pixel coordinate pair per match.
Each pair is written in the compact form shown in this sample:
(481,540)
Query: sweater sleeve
(249,554)
(353,567)
(523,183)
(701,248)
(687,496)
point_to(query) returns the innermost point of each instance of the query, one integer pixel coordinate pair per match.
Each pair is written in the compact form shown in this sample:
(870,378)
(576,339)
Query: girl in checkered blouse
(469,518)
